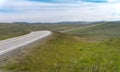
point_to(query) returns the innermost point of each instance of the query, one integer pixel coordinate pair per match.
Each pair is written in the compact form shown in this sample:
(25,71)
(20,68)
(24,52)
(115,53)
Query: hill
(65,53)
(102,30)
(8,30)
(73,51)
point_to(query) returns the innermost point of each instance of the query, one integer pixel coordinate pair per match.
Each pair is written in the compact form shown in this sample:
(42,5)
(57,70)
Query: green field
(106,30)
(99,32)
(9,30)
(75,51)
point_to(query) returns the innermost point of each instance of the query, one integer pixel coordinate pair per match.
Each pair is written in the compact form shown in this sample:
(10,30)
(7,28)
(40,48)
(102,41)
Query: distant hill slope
(103,29)
(111,29)
(8,30)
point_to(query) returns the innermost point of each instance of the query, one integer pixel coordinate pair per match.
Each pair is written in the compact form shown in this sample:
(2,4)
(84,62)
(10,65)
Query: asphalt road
(17,42)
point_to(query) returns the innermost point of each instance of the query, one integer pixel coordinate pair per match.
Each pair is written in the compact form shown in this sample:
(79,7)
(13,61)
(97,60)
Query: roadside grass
(65,53)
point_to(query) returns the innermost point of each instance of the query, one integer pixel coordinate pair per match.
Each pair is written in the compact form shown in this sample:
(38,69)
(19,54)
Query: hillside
(74,51)
(64,53)
(8,30)
(103,30)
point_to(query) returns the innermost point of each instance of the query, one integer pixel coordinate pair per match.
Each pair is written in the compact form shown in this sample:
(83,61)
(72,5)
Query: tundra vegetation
(93,49)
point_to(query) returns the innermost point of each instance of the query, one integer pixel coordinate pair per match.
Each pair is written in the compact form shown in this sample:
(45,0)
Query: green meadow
(8,30)
(100,31)
(93,49)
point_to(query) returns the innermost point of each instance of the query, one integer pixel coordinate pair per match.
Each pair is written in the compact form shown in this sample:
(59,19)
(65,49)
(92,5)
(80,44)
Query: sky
(59,10)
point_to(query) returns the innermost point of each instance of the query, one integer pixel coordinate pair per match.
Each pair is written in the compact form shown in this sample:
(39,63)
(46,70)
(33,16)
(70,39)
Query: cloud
(113,0)
(32,11)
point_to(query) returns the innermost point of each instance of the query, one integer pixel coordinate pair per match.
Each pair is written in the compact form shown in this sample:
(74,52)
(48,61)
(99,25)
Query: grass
(66,53)
(63,53)
(12,30)
(101,31)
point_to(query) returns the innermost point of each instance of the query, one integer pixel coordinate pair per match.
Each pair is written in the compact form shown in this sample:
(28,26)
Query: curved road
(17,42)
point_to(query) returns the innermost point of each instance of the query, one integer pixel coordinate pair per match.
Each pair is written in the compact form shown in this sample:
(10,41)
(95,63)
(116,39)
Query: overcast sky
(59,10)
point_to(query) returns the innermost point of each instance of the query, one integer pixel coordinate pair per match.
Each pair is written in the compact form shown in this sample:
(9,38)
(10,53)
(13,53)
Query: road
(17,42)
(68,30)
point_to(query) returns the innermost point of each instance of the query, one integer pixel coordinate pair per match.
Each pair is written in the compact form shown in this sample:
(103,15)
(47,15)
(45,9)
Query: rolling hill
(102,30)
(73,51)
